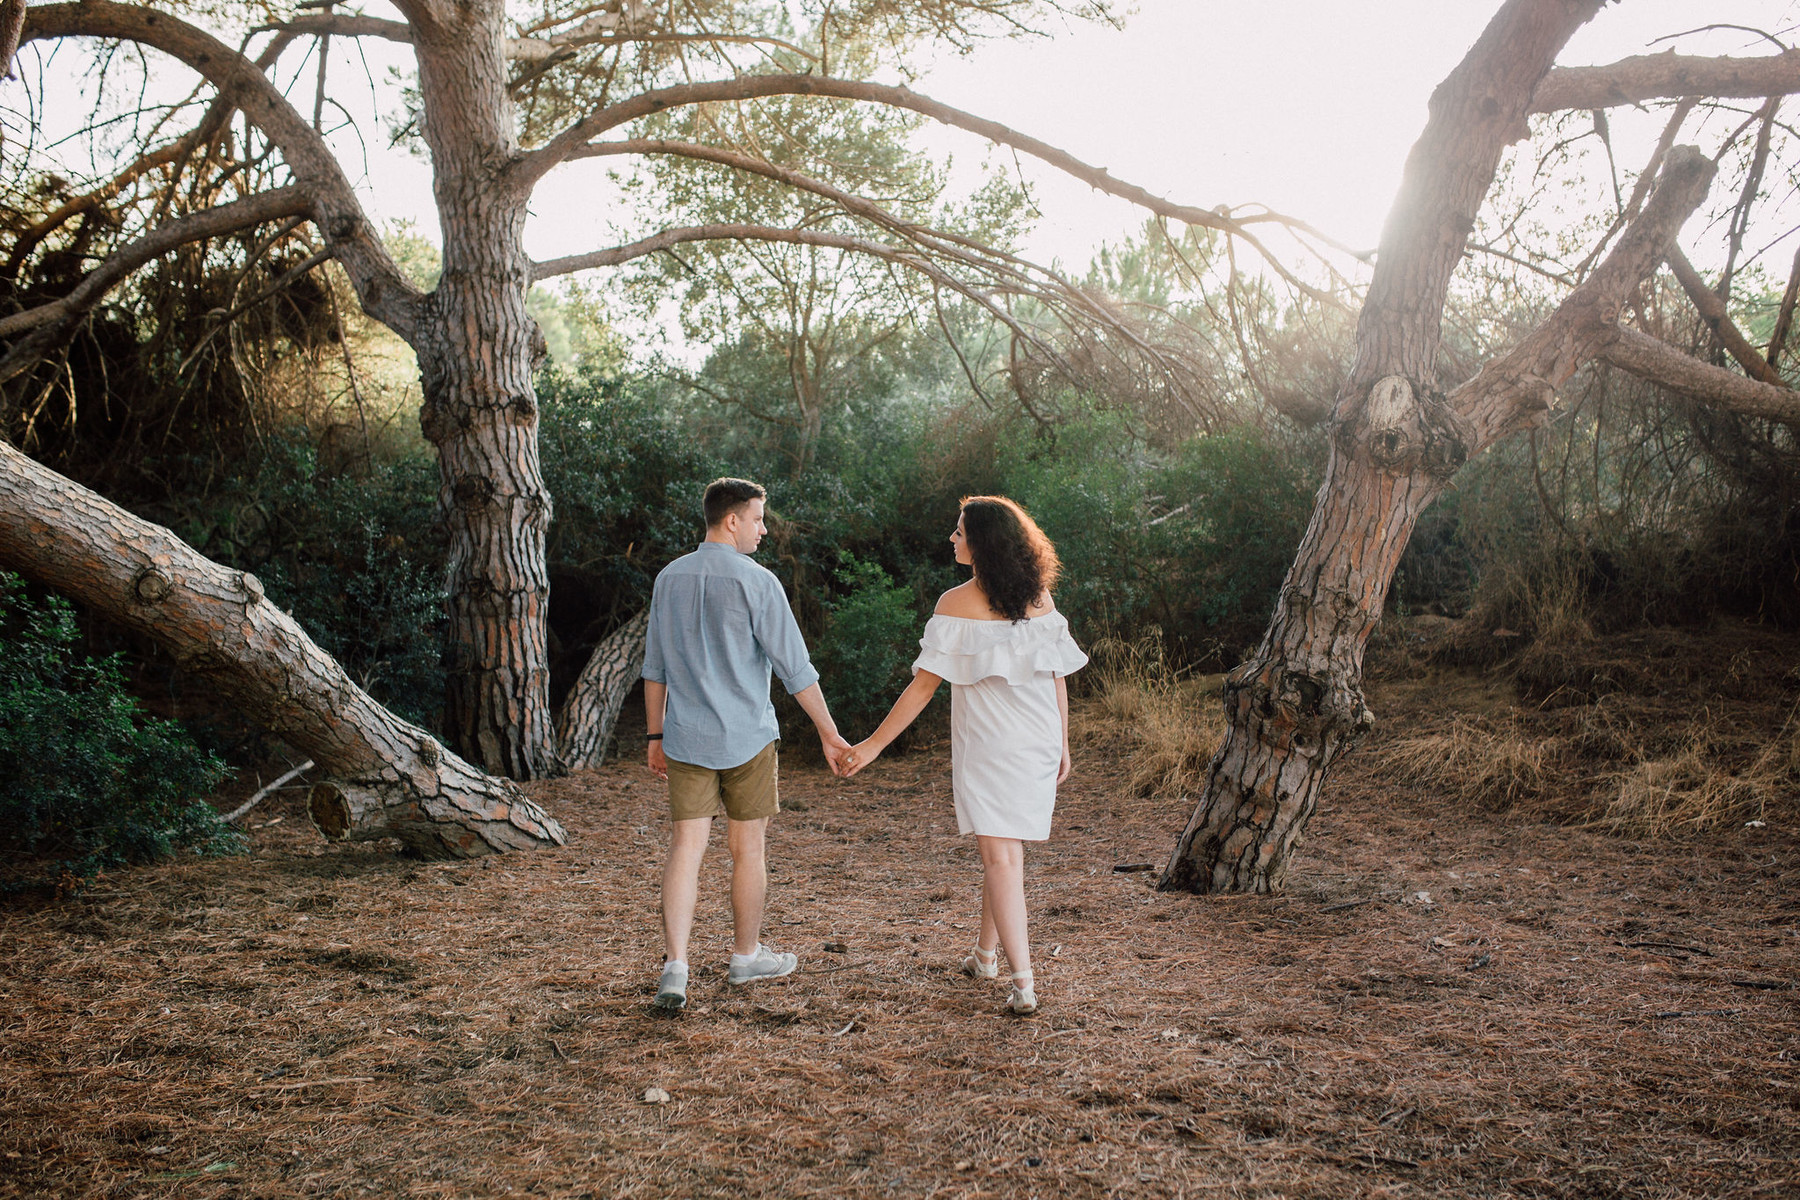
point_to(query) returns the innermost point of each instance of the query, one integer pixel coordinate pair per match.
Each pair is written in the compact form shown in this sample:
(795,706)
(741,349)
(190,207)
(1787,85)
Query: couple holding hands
(720,624)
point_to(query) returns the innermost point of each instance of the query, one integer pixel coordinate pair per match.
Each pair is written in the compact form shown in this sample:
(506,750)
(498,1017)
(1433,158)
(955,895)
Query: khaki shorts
(746,792)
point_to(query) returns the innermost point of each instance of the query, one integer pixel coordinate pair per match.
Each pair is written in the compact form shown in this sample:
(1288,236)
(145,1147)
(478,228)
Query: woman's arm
(906,709)
(1062,706)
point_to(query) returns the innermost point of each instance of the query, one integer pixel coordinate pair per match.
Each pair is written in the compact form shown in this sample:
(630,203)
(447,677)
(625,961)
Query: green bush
(866,655)
(356,556)
(85,777)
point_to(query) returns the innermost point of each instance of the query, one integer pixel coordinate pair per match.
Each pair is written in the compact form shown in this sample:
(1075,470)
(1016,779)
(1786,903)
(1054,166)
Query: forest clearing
(1452,999)
(1415,598)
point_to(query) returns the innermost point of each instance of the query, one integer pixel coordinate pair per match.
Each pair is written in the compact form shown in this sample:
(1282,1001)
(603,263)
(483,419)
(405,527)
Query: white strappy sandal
(1022,999)
(982,964)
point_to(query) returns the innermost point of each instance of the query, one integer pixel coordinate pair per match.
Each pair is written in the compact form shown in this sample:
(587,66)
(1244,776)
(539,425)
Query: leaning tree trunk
(385,778)
(1297,704)
(477,348)
(591,712)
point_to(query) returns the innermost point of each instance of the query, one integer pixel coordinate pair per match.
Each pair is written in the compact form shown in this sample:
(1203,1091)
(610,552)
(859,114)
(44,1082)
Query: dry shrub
(1692,789)
(1497,767)
(1172,723)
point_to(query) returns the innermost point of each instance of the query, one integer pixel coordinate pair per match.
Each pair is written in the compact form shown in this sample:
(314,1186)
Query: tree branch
(533,166)
(385,292)
(1712,310)
(1517,388)
(1656,76)
(669,238)
(1655,361)
(46,324)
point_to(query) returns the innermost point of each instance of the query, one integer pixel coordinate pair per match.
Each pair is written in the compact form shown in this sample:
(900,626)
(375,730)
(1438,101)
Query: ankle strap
(986,953)
(1025,975)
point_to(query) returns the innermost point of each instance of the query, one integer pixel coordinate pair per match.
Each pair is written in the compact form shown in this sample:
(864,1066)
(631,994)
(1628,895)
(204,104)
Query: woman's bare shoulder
(964,600)
(1043,606)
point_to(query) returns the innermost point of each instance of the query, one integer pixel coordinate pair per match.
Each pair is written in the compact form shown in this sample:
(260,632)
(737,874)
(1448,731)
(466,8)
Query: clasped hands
(846,760)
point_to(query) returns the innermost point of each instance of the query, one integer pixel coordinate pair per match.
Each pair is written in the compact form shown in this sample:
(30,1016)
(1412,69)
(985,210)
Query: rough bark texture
(1297,703)
(591,712)
(1660,363)
(477,348)
(1653,76)
(387,778)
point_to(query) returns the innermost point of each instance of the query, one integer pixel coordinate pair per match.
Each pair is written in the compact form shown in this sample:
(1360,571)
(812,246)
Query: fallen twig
(1699,1012)
(237,813)
(1668,946)
(306,1083)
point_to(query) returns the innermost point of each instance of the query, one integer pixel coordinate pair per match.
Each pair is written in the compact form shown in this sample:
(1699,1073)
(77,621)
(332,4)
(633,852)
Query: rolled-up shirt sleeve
(776,631)
(655,634)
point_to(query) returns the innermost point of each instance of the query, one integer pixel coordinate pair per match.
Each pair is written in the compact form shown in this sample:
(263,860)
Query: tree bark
(386,778)
(591,712)
(1297,703)
(477,349)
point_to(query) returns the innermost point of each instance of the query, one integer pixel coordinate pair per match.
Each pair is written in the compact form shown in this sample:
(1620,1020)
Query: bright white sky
(1307,106)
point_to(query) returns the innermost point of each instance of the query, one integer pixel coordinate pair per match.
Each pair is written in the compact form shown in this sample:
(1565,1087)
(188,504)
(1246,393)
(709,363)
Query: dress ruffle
(964,650)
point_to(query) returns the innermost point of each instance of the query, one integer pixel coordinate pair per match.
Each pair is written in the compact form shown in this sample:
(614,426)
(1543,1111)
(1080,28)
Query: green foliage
(865,657)
(1191,544)
(626,482)
(85,777)
(353,550)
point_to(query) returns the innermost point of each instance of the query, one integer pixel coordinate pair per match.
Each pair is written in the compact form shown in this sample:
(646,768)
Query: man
(718,624)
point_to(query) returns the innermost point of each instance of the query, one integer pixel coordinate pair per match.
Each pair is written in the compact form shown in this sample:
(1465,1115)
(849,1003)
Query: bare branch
(533,166)
(1517,388)
(342,25)
(1667,75)
(1784,316)
(1655,361)
(385,292)
(1712,310)
(667,239)
(47,323)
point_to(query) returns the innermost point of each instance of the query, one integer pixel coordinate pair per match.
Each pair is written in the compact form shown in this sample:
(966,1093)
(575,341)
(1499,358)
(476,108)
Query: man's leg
(681,883)
(749,881)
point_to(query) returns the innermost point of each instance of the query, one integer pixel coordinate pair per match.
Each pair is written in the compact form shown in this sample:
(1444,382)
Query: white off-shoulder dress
(1005,728)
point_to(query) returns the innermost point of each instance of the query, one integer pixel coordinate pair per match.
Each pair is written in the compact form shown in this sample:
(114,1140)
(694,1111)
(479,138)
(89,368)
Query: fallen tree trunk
(591,712)
(385,777)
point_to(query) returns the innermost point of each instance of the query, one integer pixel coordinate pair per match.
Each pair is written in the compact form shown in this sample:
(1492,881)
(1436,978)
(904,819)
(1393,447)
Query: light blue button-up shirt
(719,622)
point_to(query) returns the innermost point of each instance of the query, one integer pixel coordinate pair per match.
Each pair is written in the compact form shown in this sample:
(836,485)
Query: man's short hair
(726,496)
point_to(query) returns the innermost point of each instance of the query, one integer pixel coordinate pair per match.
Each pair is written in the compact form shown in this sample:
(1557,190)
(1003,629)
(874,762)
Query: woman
(1006,651)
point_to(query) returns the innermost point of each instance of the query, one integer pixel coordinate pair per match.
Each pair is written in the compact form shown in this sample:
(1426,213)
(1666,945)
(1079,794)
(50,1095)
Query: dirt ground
(1445,1002)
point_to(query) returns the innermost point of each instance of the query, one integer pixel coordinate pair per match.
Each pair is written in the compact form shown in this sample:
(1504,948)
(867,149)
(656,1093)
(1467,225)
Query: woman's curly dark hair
(1015,563)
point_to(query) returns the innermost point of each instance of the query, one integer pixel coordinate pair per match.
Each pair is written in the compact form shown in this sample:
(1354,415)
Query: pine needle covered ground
(1449,1000)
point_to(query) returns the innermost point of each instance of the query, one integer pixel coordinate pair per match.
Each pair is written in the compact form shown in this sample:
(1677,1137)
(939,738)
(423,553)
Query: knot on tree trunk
(1297,710)
(1403,427)
(474,491)
(150,586)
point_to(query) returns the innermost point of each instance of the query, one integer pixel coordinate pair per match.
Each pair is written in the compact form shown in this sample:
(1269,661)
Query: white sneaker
(763,964)
(671,992)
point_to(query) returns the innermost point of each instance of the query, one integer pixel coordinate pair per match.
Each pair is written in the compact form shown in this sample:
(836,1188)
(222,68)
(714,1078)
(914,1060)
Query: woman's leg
(1003,898)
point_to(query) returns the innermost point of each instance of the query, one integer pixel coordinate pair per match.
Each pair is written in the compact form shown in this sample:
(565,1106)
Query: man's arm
(812,699)
(656,702)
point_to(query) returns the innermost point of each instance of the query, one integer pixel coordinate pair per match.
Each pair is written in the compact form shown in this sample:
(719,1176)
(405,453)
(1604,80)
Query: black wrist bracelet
(653,737)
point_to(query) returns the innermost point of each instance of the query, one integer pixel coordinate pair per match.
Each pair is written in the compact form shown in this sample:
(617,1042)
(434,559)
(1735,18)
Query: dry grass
(1171,724)
(1696,788)
(1496,764)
